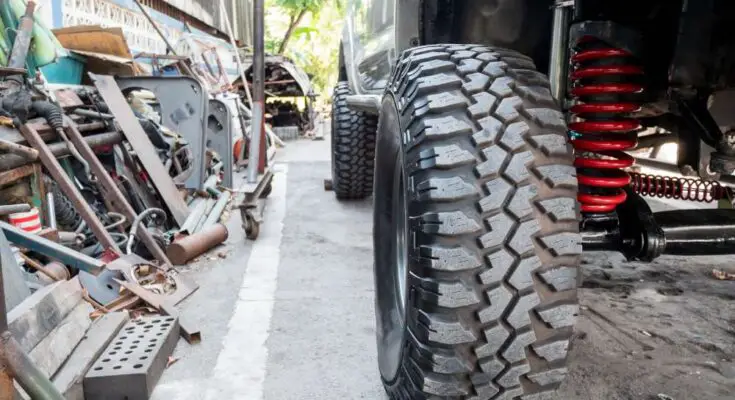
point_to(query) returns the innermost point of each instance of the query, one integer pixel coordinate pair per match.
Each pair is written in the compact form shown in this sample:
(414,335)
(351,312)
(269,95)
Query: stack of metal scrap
(103,189)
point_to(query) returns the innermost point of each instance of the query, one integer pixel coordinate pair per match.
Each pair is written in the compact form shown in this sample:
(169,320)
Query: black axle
(641,234)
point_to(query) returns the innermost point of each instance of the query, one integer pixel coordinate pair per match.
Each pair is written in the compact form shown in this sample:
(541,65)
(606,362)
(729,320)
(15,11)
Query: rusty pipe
(19,149)
(60,149)
(20,367)
(192,246)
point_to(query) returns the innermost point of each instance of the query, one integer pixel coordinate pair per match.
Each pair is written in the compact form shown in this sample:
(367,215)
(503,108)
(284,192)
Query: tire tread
(353,148)
(497,245)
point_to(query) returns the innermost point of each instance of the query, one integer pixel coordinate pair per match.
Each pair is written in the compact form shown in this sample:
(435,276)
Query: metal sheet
(184,104)
(14,287)
(219,136)
(134,361)
(143,147)
(51,249)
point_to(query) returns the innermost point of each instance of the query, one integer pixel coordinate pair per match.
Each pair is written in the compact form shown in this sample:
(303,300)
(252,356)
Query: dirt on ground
(658,331)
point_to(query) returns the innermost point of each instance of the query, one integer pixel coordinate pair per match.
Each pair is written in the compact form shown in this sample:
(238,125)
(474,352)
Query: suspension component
(606,86)
(679,188)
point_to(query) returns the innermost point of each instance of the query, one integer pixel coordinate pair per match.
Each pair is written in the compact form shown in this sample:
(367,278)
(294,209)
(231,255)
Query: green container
(67,70)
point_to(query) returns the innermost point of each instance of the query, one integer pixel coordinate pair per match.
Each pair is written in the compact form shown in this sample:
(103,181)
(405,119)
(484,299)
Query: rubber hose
(137,221)
(50,112)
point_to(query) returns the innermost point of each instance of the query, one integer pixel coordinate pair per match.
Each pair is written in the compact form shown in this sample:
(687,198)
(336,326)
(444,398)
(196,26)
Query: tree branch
(291,26)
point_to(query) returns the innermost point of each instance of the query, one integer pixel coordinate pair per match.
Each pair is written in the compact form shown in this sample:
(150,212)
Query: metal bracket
(219,136)
(184,105)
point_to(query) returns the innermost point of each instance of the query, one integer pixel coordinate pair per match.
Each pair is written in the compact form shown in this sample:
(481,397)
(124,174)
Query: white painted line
(241,365)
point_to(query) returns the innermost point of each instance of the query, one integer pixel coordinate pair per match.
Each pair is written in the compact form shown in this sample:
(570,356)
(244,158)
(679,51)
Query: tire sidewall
(333,130)
(389,154)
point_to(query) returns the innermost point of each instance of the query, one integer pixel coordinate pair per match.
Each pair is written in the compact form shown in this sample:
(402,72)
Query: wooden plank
(39,314)
(54,349)
(69,378)
(110,92)
(94,38)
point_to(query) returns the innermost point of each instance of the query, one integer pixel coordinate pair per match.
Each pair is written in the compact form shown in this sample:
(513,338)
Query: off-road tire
(353,147)
(494,242)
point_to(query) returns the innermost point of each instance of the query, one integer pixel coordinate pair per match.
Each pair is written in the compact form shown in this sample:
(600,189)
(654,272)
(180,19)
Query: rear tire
(353,148)
(473,147)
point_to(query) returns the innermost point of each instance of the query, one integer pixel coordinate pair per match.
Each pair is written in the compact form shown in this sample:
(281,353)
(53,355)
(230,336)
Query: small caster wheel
(267,190)
(251,226)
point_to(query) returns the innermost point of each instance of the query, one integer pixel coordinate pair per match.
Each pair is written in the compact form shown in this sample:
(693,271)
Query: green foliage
(296,6)
(314,44)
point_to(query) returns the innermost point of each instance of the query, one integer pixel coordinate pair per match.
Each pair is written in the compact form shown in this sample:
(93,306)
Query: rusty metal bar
(12,175)
(10,161)
(66,185)
(19,149)
(112,192)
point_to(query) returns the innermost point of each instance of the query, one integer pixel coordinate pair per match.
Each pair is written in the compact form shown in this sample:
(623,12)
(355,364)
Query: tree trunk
(291,26)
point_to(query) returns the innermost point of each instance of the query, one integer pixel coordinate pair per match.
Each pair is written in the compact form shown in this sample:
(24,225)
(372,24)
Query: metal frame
(184,105)
(219,136)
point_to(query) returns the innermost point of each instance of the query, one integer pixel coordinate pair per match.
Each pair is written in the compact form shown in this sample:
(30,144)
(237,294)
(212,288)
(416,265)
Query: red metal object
(603,130)
(671,187)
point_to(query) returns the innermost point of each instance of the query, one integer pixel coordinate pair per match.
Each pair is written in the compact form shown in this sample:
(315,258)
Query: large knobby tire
(353,147)
(475,195)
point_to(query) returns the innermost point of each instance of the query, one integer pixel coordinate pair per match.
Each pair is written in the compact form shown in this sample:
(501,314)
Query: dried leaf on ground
(171,361)
(723,275)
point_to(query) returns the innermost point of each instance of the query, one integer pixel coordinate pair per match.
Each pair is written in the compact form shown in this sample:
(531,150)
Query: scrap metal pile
(103,190)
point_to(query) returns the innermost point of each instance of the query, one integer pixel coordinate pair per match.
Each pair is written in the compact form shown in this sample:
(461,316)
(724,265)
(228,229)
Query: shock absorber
(606,86)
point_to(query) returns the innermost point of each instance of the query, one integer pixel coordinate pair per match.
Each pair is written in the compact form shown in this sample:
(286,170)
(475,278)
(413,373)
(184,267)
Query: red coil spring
(679,188)
(605,130)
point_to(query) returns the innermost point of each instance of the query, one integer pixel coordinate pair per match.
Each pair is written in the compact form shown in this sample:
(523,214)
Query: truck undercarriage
(631,75)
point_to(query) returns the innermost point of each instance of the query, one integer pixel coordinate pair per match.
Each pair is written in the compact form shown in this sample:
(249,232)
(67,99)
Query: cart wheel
(251,226)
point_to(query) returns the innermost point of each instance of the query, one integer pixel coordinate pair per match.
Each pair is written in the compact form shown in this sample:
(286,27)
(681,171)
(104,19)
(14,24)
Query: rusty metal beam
(60,149)
(13,175)
(80,204)
(111,191)
(18,149)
